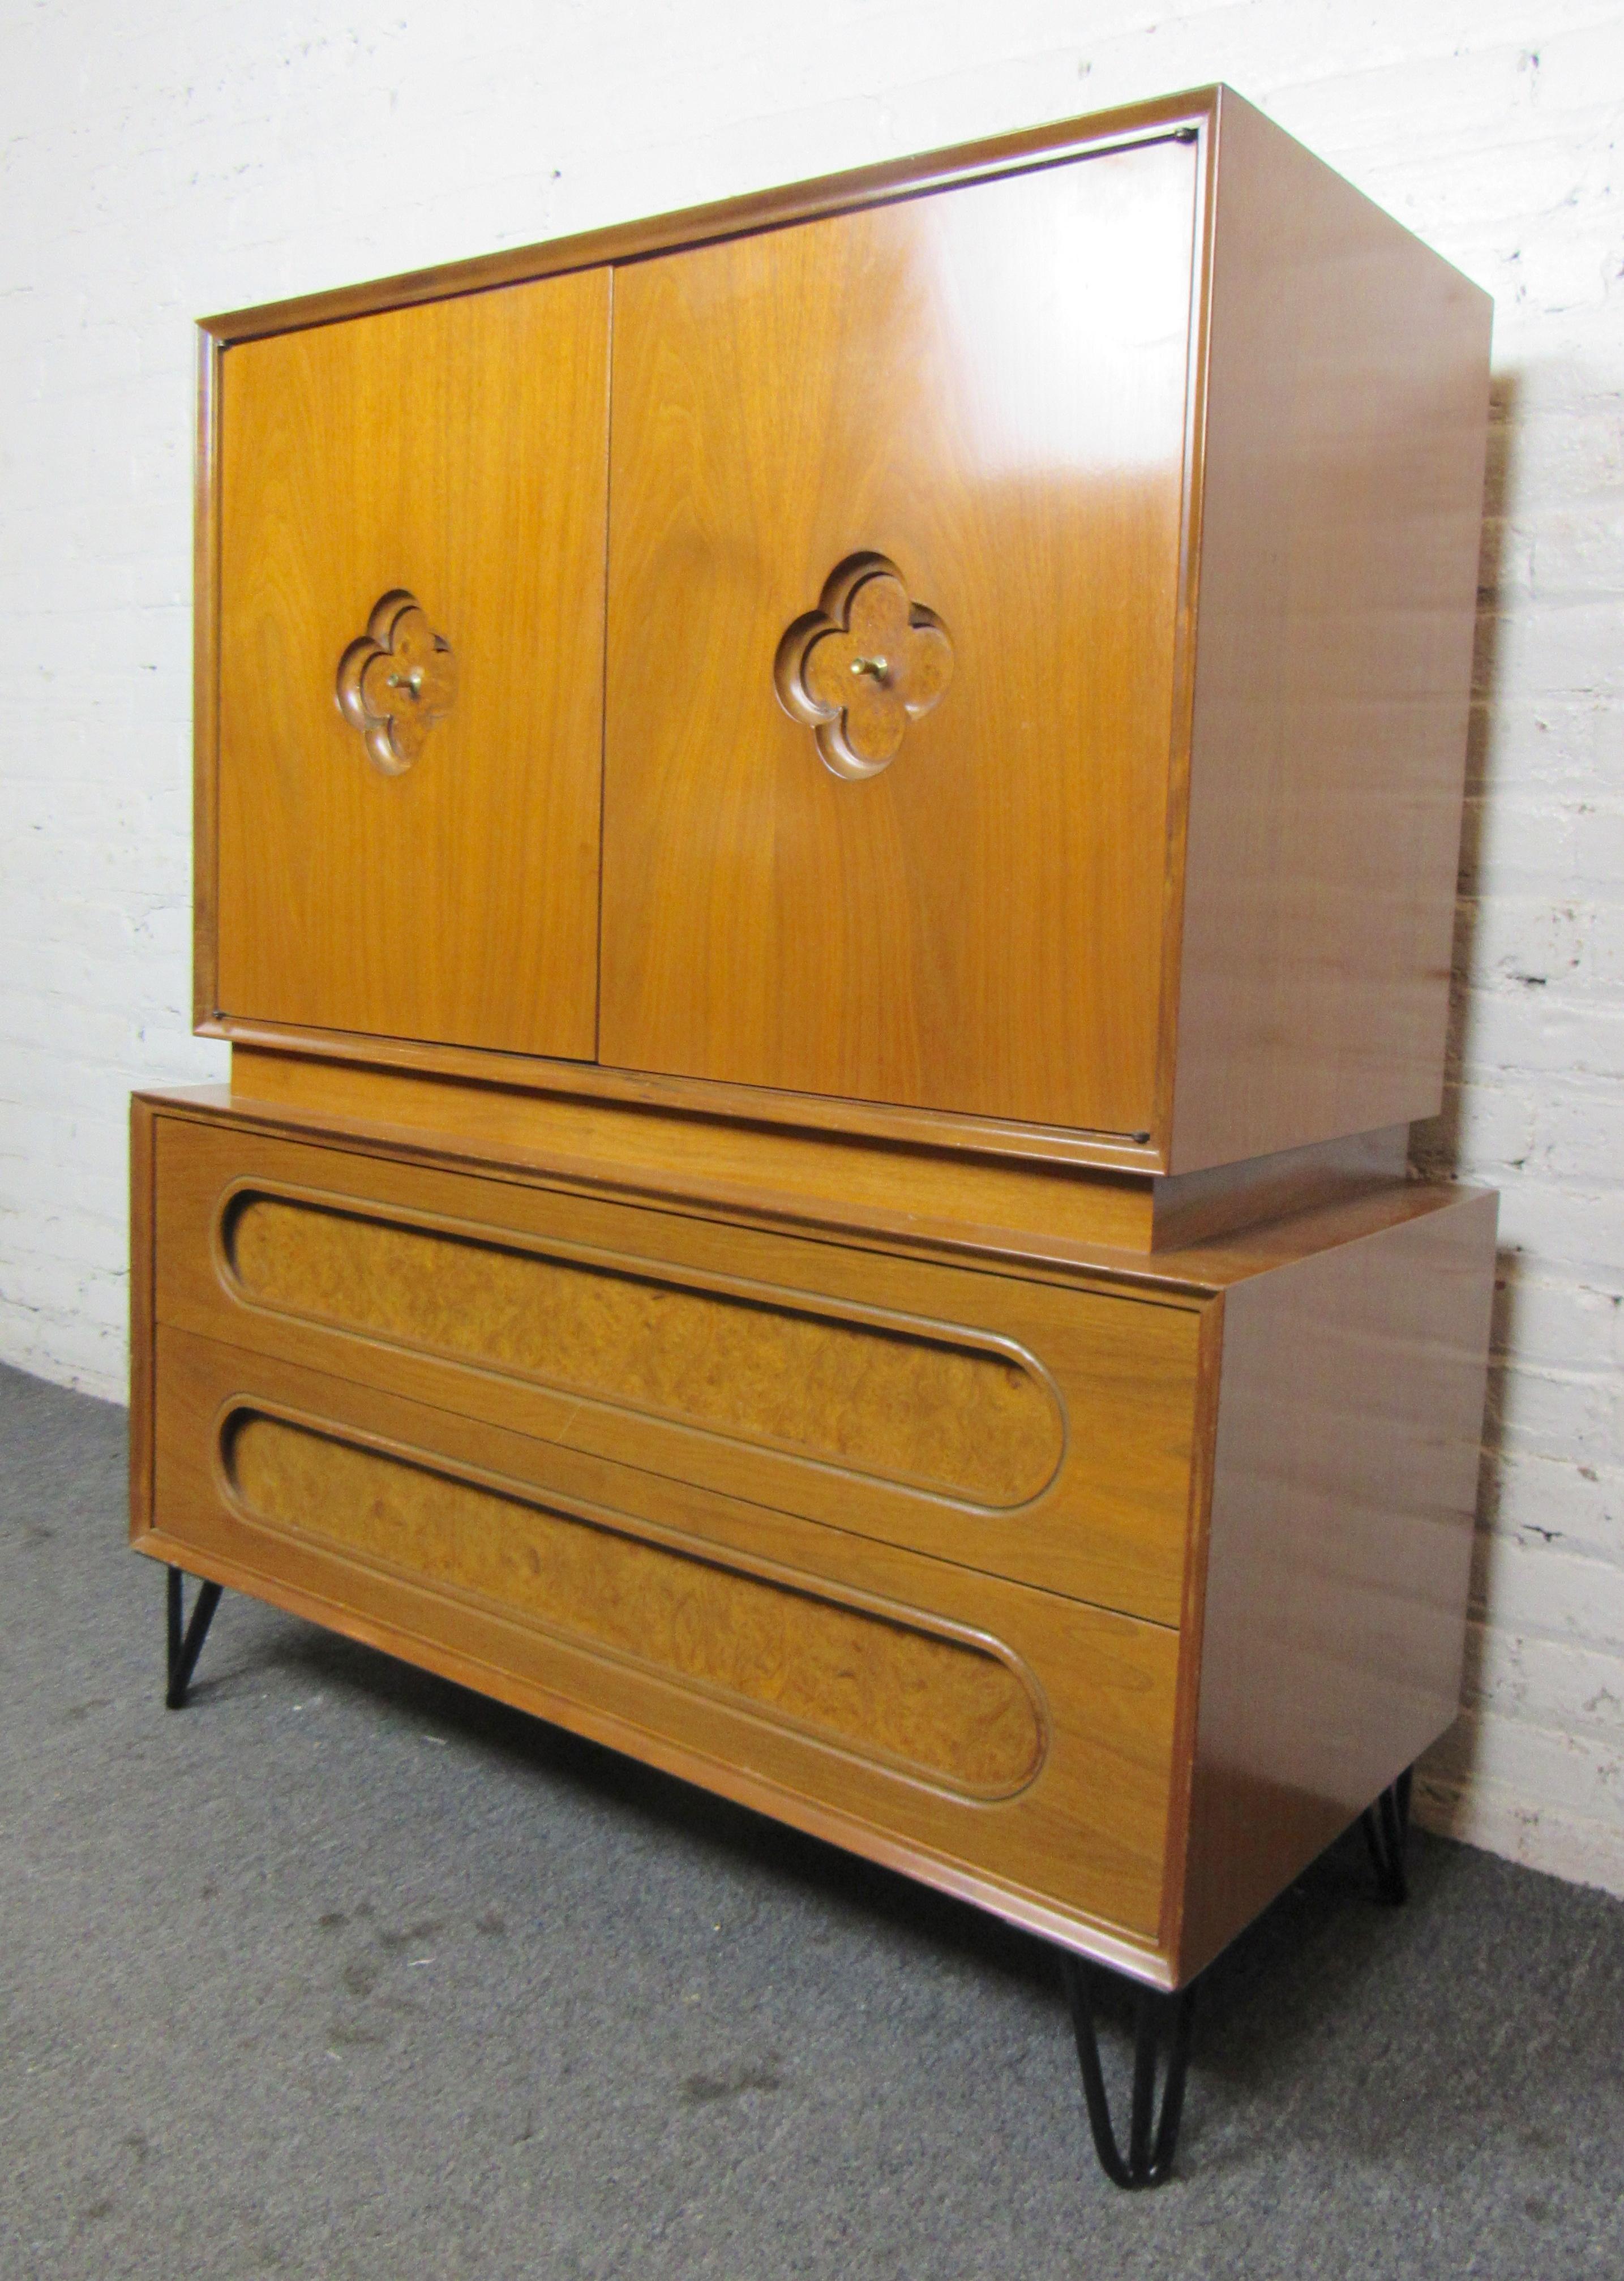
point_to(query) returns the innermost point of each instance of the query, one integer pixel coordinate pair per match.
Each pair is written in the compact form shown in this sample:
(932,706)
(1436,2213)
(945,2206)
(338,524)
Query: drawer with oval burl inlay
(1024,1739)
(1030,1429)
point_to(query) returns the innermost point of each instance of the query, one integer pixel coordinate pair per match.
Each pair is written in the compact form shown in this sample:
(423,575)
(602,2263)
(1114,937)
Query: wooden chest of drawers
(826,835)
(1104,1595)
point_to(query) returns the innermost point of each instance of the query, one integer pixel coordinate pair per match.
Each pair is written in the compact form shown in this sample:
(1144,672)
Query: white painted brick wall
(198,154)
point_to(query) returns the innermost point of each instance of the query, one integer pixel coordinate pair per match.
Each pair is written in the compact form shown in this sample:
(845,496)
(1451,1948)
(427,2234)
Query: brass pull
(864,665)
(397,681)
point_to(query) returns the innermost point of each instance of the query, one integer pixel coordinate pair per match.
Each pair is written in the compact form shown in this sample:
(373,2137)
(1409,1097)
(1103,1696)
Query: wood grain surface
(981,935)
(1109,1522)
(206,686)
(1337,1385)
(457,450)
(1083,1838)
(1345,1487)
(987,388)
(1193,1208)
(646,1145)
(965,1418)
(827,1179)
(142,1307)
(1173,1276)
(996,1137)
(1347,409)
(902,1692)
(662,1330)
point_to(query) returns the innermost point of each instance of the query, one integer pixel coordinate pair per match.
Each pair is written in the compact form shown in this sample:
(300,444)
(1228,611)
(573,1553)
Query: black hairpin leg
(1387,1830)
(1152,2143)
(186,1640)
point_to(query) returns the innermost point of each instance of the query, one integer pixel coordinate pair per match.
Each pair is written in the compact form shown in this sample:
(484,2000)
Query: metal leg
(1151,2144)
(186,1640)
(1387,1830)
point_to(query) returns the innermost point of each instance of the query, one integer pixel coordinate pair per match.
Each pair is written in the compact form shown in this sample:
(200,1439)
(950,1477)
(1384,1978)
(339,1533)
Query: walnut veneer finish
(434,473)
(939,1705)
(863,665)
(813,1377)
(1123,1710)
(821,1177)
(972,1421)
(1152,450)
(981,922)
(826,837)
(1342,501)
(1345,1476)
(1020,1741)
(395,681)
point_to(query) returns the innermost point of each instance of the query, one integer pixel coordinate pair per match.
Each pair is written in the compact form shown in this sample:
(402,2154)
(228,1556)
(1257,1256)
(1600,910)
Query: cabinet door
(411,669)
(929,454)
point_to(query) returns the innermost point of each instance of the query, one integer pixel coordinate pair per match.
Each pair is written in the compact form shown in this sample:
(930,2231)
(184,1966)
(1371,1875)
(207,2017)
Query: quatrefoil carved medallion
(396,680)
(863,665)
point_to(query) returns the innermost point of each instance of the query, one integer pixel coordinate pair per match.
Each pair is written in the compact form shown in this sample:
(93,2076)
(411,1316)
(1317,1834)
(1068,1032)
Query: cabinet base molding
(896,1183)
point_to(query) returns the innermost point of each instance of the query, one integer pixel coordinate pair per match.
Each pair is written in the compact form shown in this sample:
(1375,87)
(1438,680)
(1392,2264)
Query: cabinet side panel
(1344,1486)
(206,689)
(143,1122)
(1347,414)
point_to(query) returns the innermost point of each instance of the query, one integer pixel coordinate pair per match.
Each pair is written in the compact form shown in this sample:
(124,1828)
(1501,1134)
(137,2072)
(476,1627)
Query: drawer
(991,1737)
(1028,1430)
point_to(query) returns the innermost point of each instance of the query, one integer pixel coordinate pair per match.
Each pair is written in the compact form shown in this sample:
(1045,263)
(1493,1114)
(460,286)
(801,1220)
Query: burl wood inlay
(965,1419)
(863,665)
(941,1707)
(396,681)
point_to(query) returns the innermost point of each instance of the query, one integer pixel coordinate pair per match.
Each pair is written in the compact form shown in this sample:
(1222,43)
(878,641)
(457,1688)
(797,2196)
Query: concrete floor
(343,1972)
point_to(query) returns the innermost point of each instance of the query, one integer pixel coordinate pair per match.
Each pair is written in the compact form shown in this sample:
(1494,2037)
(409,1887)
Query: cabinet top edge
(1162,117)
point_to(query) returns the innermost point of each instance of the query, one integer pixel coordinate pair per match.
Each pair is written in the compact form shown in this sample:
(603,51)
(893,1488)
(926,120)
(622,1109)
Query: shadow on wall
(1435,1146)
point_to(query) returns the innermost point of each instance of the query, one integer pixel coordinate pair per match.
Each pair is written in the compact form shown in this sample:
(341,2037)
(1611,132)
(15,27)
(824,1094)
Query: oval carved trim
(863,665)
(396,680)
(985,1410)
(887,1685)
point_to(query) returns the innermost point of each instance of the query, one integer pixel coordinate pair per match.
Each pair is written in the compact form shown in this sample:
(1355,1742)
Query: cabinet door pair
(754,663)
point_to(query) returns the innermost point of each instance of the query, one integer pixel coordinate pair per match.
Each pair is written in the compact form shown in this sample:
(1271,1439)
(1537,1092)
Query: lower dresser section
(1003,1742)
(1104,1605)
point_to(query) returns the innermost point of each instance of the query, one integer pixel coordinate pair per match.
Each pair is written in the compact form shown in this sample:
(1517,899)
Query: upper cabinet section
(411,541)
(975,652)
(893,580)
